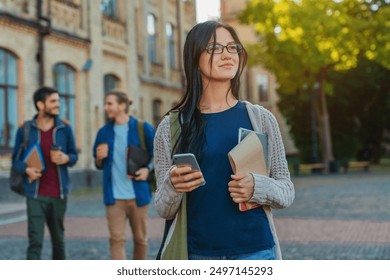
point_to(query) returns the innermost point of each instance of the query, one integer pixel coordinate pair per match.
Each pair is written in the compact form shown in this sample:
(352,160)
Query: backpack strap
(141,135)
(24,145)
(174,127)
(26,132)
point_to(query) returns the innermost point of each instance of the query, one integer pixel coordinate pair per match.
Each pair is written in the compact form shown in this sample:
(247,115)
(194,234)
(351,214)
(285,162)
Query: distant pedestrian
(125,198)
(46,192)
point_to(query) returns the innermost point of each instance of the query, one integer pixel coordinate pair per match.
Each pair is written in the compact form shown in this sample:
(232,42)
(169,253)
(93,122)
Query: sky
(207,9)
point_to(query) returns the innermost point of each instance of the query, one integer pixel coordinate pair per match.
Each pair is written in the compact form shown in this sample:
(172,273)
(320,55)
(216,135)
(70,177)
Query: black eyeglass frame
(210,47)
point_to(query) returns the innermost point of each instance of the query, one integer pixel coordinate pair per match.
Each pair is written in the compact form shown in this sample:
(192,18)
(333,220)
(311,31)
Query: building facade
(259,85)
(84,49)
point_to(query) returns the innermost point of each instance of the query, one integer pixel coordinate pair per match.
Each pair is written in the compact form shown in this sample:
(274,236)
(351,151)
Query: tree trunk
(326,135)
(315,123)
(327,150)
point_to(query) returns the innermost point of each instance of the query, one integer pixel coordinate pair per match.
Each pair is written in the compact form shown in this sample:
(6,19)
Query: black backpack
(16,178)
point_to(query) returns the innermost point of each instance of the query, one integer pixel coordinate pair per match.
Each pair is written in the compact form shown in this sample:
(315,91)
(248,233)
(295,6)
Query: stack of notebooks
(250,155)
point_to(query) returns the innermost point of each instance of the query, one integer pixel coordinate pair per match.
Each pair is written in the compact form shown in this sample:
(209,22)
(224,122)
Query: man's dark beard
(47,114)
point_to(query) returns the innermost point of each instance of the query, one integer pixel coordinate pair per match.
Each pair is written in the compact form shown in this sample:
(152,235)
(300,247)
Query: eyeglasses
(218,48)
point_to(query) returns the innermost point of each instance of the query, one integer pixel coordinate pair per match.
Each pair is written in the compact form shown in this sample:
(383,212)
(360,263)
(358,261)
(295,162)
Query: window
(152,37)
(110,82)
(262,85)
(156,111)
(8,98)
(171,44)
(109,8)
(64,81)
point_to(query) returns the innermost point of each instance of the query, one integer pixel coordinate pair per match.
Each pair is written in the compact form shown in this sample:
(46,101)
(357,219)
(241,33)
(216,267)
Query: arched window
(109,8)
(171,44)
(8,98)
(152,37)
(156,111)
(110,82)
(64,81)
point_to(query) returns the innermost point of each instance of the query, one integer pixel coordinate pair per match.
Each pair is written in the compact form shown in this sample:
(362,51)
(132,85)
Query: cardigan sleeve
(167,200)
(276,189)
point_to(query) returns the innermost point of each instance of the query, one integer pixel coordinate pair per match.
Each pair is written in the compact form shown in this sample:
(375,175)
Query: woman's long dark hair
(192,136)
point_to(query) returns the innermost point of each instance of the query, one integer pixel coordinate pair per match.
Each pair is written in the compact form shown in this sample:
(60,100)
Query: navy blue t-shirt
(216,227)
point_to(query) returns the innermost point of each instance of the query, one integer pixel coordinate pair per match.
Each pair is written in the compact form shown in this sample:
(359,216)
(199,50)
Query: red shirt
(49,184)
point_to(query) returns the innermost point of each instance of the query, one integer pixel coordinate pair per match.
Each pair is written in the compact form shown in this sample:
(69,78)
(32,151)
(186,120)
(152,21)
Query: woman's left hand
(241,188)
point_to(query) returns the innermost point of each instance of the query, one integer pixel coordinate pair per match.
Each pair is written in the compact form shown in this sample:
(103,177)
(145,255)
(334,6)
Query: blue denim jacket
(62,136)
(106,134)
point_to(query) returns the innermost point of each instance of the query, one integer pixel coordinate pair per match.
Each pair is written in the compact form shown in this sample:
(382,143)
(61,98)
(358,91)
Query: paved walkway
(344,216)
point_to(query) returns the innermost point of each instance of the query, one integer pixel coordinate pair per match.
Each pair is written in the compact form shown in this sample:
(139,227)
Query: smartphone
(187,160)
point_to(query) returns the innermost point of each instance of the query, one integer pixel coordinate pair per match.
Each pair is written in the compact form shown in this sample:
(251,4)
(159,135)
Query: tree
(361,98)
(301,41)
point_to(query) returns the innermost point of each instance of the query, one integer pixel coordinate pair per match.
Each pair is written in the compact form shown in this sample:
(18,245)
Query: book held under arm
(34,158)
(249,155)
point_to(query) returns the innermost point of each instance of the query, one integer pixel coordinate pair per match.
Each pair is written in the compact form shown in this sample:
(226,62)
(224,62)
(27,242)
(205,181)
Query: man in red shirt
(46,190)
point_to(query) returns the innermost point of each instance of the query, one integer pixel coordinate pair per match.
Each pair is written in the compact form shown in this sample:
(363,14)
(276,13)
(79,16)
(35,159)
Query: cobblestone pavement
(343,216)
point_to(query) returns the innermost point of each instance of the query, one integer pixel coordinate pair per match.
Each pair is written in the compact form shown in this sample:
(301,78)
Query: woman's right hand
(184,179)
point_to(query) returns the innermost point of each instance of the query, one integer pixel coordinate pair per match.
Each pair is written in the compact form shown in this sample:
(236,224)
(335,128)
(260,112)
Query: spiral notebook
(249,155)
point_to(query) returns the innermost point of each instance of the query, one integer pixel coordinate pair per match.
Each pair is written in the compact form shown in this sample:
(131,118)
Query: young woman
(210,115)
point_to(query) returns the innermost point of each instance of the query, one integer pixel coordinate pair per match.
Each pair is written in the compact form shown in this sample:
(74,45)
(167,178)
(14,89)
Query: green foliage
(360,110)
(296,109)
(303,41)
(300,38)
